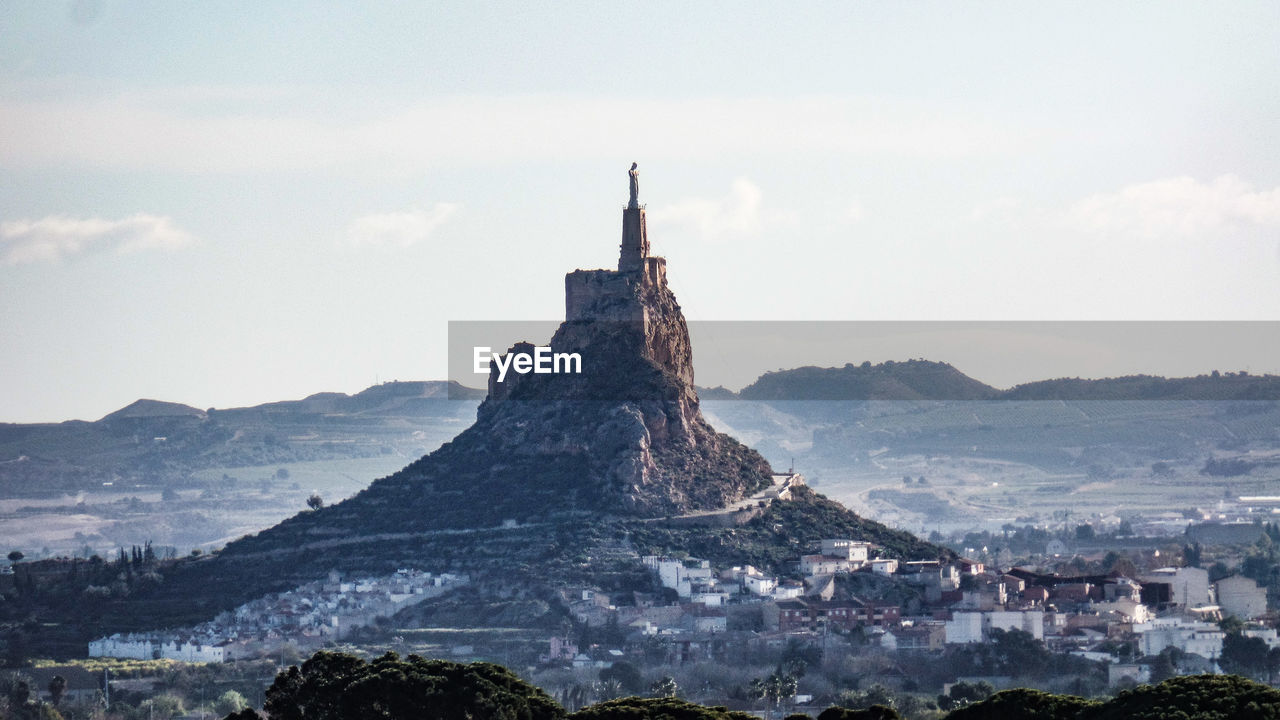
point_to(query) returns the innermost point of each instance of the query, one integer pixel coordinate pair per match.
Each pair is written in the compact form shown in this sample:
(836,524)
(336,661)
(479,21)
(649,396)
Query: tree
(230,702)
(875,712)
(1192,555)
(1084,532)
(163,707)
(1200,697)
(776,688)
(315,502)
(15,556)
(964,693)
(607,690)
(664,686)
(57,687)
(875,696)
(1166,664)
(1024,704)
(1246,656)
(660,708)
(626,675)
(337,686)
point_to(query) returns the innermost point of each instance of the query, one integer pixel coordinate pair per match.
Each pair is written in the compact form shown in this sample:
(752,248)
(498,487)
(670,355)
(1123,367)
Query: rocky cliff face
(632,416)
(624,438)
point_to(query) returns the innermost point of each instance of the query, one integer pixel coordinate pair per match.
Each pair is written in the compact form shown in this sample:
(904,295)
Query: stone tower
(635,240)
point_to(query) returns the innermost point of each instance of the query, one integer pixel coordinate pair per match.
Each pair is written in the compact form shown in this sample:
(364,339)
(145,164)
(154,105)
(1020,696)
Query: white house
(964,628)
(823,564)
(1189,587)
(1031,621)
(1240,596)
(760,584)
(884,566)
(852,550)
(1189,636)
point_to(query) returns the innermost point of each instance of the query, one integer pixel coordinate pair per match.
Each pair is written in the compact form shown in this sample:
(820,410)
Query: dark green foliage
(1011,652)
(1231,467)
(336,686)
(964,693)
(1217,386)
(1193,697)
(1246,656)
(1024,704)
(626,675)
(663,708)
(875,712)
(910,380)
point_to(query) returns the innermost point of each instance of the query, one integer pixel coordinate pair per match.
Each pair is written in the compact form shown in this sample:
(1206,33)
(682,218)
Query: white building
(1030,621)
(964,628)
(823,565)
(681,575)
(1240,596)
(138,647)
(884,566)
(760,584)
(854,551)
(1189,636)
(1189,587)
(1132,611)
(788,590)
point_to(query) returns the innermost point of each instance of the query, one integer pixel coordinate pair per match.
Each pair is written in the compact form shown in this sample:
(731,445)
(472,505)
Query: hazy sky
(228,203)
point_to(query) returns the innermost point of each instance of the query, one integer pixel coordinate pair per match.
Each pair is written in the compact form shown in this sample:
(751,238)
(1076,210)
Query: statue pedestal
(635,240)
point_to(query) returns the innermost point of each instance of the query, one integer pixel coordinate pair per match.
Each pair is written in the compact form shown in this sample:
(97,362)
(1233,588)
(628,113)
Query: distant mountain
(928,380)
(154,409)
(1215,386)
(154,444)
(910,380)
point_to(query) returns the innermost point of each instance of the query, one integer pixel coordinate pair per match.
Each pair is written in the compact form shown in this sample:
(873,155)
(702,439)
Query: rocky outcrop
(633,413)
(624,438)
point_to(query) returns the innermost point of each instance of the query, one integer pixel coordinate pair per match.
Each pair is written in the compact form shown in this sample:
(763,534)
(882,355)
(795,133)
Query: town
(306,619)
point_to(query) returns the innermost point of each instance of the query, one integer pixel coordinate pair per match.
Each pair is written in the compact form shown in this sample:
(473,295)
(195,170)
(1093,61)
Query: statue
(635,188)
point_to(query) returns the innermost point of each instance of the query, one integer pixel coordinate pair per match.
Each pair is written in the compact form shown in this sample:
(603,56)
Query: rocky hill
(910,380)
(152,445)
(625,437)
(930,380)
(563,478)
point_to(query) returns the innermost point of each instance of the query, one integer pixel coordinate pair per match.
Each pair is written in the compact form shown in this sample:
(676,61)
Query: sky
(229,203)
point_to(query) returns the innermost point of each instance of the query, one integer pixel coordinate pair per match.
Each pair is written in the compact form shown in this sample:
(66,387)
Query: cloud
(261,129)
(736,214)
(856,212)
(398,229)
(55,237)
(1179,207)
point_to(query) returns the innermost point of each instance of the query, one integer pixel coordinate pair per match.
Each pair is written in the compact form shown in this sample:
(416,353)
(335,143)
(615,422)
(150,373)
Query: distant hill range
(150,443)
(928,380)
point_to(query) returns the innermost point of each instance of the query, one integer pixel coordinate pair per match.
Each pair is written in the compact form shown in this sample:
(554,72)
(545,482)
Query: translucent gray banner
(919,360)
